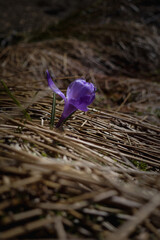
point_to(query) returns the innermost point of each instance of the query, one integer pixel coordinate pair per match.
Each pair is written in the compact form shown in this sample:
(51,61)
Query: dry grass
(97,178)
(25,64)
(83,181)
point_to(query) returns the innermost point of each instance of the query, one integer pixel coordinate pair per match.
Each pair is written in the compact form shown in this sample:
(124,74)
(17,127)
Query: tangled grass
(97,178)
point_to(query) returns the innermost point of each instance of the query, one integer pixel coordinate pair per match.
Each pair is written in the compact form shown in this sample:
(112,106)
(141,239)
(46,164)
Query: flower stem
(69,116)
(53,111)
(63,120)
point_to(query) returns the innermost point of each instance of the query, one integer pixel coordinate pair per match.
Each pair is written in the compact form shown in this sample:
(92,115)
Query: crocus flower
(79,95)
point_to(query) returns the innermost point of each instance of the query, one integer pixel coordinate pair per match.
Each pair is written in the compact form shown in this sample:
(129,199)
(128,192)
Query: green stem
(53,111)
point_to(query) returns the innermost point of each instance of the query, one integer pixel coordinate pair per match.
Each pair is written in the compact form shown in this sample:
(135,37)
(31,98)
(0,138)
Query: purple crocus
(79,95)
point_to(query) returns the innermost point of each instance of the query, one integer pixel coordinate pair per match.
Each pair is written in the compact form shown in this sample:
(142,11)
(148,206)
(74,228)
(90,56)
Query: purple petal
(68,109)
(81,94)
(75,89)
(83,102)
(53,86)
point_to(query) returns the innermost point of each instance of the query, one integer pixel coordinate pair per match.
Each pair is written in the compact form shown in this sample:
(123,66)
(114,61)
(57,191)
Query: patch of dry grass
(82,181)
(97,178)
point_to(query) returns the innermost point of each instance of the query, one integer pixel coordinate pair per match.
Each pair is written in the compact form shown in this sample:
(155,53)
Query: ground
(98,176)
